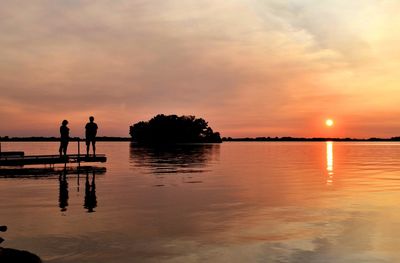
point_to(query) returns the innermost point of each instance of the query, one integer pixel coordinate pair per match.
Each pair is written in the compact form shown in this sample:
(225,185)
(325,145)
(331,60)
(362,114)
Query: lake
(233,202)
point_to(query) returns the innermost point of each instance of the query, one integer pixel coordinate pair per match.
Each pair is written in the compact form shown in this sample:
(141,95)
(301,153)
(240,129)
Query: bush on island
(165,129)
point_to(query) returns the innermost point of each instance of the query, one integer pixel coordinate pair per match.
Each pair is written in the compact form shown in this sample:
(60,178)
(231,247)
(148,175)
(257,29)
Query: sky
(249,67)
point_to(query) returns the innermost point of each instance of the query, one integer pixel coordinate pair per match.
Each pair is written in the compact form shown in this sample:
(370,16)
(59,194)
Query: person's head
(64,122)
(91,118)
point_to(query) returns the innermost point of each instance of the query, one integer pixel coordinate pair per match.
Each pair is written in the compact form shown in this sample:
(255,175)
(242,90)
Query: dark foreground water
(234,202)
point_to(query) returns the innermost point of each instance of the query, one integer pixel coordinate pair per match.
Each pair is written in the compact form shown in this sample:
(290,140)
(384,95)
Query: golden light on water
(329,162)
(329,122)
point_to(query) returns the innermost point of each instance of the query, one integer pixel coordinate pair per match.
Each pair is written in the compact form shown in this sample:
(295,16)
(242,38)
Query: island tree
(163,129)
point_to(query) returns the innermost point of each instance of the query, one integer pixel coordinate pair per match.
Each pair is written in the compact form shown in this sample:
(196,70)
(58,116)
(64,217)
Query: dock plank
(49,159)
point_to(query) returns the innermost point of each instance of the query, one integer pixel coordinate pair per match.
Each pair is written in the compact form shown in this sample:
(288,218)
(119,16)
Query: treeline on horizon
(224,139)
(302,139)
(56,139)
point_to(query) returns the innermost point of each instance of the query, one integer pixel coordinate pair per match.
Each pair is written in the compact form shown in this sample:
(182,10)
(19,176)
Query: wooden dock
(21,160)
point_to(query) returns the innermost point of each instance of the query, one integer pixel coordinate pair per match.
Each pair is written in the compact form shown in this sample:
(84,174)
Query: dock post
(79,170)
(79,151)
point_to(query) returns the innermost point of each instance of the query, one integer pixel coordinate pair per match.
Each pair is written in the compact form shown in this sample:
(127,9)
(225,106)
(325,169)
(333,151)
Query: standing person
(64,138)
(91,132)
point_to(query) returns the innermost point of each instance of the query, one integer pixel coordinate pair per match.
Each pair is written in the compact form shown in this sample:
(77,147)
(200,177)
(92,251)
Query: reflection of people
(91,132)
(64,137)
(90,194)
(63,197)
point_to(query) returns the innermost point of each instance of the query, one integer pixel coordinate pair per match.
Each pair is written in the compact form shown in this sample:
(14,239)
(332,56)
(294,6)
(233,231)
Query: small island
(171,129)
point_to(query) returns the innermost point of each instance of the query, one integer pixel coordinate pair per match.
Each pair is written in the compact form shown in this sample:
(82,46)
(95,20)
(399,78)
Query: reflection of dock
(20,160)
(11,154)
(49,171)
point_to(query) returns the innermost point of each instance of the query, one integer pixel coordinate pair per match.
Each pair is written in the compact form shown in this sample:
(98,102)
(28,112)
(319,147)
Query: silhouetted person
(90,194)
(91,132)
(64,138)
(63,196)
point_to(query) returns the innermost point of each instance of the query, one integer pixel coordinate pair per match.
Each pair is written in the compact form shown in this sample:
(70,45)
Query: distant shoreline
(316,139)
(224,139)
(56,139)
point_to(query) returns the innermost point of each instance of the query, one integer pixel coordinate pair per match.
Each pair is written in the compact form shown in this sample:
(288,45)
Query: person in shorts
(91,132)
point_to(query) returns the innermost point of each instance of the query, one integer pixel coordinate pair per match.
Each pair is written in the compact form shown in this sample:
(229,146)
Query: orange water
(234,202)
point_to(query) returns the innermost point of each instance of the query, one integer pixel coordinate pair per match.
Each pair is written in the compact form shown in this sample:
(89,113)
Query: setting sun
(329,122)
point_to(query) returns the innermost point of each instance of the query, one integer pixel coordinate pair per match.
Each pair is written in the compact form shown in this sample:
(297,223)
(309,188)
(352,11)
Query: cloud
(239,64)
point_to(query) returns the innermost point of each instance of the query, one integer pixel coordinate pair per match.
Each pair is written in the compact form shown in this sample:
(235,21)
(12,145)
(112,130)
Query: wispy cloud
(250,67)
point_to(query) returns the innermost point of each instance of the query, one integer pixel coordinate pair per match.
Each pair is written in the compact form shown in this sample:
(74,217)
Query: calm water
(234,202)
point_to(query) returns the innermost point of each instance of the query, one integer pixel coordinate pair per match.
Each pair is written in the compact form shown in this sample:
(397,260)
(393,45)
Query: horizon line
(258,138)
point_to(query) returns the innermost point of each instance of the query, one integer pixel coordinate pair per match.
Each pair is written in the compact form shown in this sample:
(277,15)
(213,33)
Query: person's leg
(94,147)
(87,147)
(65,148)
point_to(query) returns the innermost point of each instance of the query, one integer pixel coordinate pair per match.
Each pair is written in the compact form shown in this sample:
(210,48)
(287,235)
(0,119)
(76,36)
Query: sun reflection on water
(329,162)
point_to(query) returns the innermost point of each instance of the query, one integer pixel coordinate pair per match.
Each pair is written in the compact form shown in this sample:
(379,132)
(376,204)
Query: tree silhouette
(173,129)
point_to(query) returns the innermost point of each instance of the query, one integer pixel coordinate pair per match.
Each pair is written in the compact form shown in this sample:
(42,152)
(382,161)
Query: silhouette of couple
(90,135)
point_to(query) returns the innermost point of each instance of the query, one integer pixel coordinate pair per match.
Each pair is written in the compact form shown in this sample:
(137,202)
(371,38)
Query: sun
(329,122)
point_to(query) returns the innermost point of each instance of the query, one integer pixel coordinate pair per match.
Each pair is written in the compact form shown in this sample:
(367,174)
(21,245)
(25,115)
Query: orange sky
(251,68)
